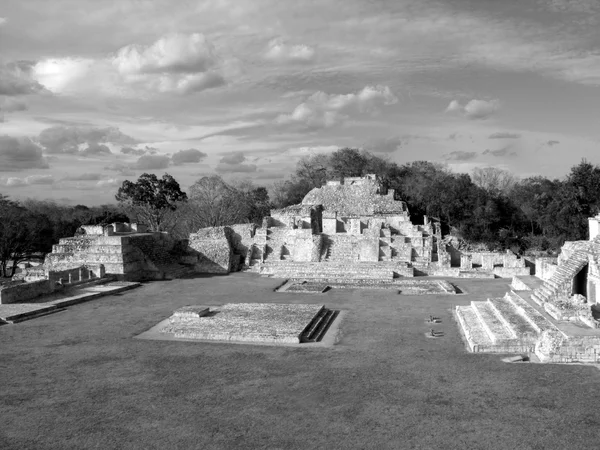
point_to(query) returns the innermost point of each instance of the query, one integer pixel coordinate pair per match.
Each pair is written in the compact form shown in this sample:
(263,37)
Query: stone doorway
(580,282)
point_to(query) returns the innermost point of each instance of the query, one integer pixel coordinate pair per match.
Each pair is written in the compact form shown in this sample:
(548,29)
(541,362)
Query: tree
(348,162)
(495,181)
(151,200)
(20,232)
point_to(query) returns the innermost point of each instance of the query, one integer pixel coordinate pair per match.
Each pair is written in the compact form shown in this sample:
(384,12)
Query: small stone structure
(40,281)
(127,251)
(538,314)
(266,323)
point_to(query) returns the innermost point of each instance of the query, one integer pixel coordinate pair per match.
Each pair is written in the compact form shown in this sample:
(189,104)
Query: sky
(94,92)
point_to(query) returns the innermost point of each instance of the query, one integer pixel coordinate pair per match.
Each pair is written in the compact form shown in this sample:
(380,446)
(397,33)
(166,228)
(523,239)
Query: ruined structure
(553,315)
(127,251)
(347,229)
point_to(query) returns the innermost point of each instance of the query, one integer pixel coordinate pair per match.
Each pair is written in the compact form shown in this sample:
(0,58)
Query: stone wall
(213,248)
(545,267)
(20,292)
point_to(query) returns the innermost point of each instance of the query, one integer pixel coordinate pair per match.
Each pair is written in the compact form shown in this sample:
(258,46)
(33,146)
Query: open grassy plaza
(80,378)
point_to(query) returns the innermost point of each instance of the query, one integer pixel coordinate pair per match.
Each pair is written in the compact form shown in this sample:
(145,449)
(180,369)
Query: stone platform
(516,324)
(18,312)
(405,287)
(264,323)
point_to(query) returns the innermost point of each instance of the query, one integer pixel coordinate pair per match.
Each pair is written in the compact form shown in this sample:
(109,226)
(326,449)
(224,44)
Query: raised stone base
(245,322)
(514,324)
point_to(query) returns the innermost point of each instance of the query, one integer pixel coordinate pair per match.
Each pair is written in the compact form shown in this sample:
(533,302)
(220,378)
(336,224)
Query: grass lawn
(78,379)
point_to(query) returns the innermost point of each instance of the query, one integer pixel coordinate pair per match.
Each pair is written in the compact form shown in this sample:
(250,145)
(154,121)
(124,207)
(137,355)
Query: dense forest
(490,208)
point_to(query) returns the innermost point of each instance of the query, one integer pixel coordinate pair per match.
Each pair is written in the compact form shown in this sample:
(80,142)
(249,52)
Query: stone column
(466,262)
(487,261)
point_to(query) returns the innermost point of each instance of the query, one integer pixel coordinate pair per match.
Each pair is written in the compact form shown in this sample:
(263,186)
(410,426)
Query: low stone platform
(405,287)
(247,322)
(516,324)
(18,312)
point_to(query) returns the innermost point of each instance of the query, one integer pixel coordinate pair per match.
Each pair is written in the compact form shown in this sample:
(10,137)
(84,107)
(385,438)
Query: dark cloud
(133,151)
(385,145)
(66,139)
(152,162)
(552,143)
(20,154)
(188,156)
(460,156)
(9,104)
(95,149)
(504,151)
(235,168)
(16,79)
(236,158)
(85,177)
(504,135)
(453,136)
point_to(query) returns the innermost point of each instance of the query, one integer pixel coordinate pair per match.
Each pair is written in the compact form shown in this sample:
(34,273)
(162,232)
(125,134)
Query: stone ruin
(40,281)
(553,314)
(345,230)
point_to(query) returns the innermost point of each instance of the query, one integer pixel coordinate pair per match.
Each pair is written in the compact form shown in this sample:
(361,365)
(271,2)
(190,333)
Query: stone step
(529,313)
(477,338)
(507,313)
(491,323)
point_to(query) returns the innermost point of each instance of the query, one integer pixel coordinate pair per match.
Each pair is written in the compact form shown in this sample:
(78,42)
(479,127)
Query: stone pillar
(101,271)
(466,262)
(487,261)
(355,226)
(70,277)
(81,274)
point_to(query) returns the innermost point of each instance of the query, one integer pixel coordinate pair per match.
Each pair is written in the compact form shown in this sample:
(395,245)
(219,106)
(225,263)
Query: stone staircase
(507,324)
(318,326)
(340,250)
(560,282)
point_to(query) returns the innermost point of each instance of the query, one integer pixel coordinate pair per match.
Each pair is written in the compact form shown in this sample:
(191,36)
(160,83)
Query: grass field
(78,379)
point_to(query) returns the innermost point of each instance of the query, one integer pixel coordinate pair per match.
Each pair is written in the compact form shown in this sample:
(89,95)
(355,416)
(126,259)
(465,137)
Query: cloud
(15,182)
(181,63)
(233,163)
(504,135)
(322,110)
(152,162)
(57,75)
(188,156)
(67,139)
(504,151)
(123,169)
(235,158)
(16,78)
(20,154)
(85,177)
(475,109)
(10,104)
(95,149)
(40,179)
(111,182)
(279,50)
(2,21)
(385,145)
(552,143)
(139,151)
(460,156)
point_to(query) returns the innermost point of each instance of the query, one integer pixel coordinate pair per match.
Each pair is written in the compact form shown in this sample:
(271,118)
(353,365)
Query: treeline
(491,207)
